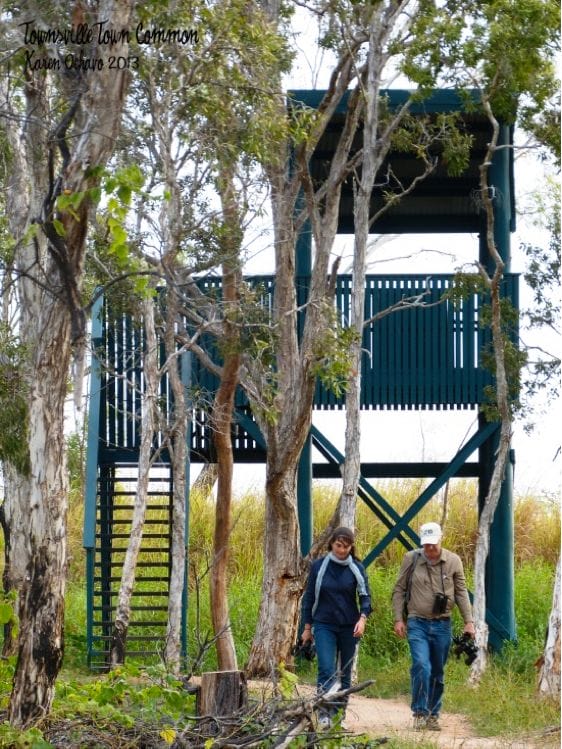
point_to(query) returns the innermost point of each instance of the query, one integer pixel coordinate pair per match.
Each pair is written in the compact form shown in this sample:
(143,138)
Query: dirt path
(378,718)
(392,718)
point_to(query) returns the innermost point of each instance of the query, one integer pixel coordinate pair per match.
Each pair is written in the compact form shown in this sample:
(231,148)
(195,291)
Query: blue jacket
(337,602)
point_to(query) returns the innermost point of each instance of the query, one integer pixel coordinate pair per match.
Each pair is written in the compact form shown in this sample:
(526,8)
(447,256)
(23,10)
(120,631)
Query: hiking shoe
(420,722)
(324,722)
(432,723)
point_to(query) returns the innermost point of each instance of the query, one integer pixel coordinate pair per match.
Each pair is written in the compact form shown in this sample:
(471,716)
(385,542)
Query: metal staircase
(147,630)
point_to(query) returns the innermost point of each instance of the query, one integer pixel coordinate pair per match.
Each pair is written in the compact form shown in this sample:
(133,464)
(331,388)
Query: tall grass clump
(537,529)
(246,539)
(455,507)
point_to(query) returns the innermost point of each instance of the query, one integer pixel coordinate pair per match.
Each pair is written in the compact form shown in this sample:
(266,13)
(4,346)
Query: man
(430,582)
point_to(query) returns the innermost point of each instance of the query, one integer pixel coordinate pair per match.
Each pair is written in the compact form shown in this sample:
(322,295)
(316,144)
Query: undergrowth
(141,698)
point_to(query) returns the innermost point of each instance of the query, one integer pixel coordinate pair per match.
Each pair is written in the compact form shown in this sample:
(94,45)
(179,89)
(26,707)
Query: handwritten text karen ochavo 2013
(95,36)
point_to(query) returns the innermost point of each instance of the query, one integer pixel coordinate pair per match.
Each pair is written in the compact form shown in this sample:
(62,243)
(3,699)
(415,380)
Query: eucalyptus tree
(379,134)
(148,429)
(198,124)
(506,61)
(368,42)
(60,121)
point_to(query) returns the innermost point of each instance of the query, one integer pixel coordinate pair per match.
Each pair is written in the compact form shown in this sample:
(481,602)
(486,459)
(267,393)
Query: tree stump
(222,693)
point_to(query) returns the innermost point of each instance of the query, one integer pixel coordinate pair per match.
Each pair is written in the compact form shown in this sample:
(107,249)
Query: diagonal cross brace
(461,457)
(375,501)
(368,494)
(333,455)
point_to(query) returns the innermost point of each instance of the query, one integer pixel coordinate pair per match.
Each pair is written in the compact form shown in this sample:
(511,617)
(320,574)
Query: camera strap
(427,566)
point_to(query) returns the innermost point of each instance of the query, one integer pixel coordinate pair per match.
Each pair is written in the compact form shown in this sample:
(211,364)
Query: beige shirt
(446,575)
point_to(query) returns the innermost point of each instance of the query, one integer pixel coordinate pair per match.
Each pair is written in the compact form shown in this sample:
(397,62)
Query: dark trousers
(334,642)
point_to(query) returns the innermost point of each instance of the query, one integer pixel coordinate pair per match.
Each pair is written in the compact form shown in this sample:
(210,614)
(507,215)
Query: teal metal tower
(425,358)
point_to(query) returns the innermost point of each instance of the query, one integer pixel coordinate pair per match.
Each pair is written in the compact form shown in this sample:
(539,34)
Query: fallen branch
(273,721)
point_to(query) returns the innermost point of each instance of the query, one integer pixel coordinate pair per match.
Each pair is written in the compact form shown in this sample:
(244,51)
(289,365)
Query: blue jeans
(429,641)
(332,641)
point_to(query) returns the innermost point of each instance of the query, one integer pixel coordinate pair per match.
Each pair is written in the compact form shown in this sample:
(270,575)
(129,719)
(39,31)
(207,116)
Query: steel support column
(499,566)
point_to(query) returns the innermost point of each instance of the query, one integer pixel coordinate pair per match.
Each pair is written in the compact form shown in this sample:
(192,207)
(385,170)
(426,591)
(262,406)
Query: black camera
(305,650)
(440,604)
(465,645)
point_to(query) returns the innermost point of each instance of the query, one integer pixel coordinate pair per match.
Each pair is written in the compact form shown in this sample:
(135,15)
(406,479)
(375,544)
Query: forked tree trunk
(148,425)
(549,675)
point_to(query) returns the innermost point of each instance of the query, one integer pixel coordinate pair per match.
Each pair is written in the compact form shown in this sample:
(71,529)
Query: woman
(331,615)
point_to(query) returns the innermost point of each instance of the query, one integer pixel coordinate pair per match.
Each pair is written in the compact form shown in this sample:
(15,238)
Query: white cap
(430,533)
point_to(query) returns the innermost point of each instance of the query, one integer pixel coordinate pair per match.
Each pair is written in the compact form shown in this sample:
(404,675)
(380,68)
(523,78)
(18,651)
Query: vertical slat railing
(416,358)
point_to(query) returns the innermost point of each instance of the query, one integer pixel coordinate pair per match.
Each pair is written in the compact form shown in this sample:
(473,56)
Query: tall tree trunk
(345,513)
(46,162)
(374,149)
(282,577)
(222,420)
(178,456)
(549,675)
(286,432)
(504,409)
(148,426)
(171,231)
(40,506)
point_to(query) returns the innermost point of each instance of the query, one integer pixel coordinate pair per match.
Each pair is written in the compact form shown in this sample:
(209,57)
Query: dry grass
(537,523)
(536,527)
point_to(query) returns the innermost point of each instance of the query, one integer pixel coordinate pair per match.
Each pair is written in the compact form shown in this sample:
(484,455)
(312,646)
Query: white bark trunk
(178,453)
(171,228)
(49,283)
(148,425)
(549,675)
(362,209)
(374,150)
(504,409)
(39,509)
